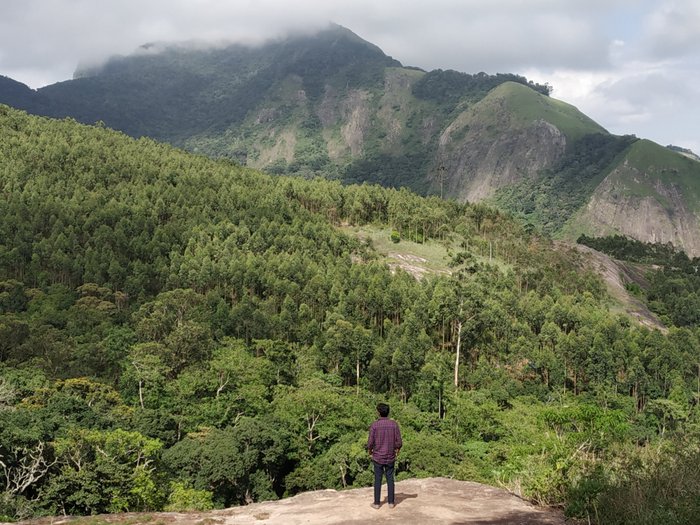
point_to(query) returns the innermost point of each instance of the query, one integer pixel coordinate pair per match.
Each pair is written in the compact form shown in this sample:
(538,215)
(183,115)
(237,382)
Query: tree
(308,411)
(23,467)
(349,347)
(105,471)
(146,365)
(240,464)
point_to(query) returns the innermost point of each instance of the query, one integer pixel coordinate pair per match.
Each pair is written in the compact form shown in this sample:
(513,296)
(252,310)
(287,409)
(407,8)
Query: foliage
(186,499)
(181,331)
(671,284)
(626,249)
(550,200)
(449,87)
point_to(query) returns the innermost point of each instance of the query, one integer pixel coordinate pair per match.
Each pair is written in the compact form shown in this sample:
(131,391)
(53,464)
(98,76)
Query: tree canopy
(178,332)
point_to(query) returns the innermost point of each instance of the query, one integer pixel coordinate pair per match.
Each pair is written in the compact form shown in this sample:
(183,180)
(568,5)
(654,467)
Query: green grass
(528,106)
(669,167)
(660,165)
(434,253)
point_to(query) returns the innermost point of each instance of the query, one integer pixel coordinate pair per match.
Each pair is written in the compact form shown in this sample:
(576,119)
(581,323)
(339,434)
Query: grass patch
(529,106)
(433,256)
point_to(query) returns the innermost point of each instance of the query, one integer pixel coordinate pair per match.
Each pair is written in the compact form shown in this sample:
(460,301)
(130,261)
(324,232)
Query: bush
(665,490)
(395,236)
(184,498)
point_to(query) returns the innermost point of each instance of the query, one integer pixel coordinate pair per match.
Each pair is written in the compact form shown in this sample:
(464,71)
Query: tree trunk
(141,393)
(459,344)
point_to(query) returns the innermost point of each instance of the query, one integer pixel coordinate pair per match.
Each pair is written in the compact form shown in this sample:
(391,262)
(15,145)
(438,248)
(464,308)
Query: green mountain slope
(508,138)
(179,332)
(334,105)
(526,106)
(651,194)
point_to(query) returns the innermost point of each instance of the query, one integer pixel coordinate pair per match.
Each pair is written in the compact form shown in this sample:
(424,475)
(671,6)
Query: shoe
(391,505)
(375,505)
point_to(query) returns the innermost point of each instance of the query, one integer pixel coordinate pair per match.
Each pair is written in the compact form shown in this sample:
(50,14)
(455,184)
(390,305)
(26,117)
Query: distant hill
(684,151)
(334,105)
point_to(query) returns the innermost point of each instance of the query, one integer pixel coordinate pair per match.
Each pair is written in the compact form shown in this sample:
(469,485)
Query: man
(383,444)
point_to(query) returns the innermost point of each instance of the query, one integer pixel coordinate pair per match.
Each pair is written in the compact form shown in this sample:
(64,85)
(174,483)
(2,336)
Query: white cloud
(673,28)
(629,64)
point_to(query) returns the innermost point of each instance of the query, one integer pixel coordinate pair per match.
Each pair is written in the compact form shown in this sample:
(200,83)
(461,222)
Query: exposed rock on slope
(430,501)
(651,202)
(615,274)
(332,104)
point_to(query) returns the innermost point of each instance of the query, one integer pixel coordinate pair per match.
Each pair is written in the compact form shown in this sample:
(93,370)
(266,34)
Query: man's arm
(370,439)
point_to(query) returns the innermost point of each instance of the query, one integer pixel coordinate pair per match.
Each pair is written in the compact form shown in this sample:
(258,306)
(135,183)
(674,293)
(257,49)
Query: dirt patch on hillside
(417,266)
(615,274)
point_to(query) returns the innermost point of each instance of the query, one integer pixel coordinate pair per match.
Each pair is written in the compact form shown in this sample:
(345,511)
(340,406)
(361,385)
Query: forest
(181,333)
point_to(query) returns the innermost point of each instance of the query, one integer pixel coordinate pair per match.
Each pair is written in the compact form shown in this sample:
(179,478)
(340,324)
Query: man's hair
(383,409)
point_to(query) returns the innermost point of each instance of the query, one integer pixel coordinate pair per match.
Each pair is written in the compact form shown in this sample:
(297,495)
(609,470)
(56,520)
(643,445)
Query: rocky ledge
(420,501)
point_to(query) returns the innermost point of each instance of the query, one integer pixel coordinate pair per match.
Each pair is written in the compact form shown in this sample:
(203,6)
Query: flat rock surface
(418,501)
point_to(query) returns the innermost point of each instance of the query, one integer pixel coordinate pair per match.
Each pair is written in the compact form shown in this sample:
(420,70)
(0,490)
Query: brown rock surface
(418,501)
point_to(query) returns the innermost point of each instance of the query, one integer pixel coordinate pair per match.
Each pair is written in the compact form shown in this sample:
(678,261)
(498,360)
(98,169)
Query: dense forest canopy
(180,333)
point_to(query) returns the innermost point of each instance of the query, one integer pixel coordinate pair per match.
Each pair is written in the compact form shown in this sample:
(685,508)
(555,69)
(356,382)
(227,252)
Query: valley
(216,261)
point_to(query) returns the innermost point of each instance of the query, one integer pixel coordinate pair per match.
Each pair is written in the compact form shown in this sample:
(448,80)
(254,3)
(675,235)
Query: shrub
(184,498)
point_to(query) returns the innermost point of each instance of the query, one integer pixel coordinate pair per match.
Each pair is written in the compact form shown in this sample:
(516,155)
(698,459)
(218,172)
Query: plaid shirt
(384,440)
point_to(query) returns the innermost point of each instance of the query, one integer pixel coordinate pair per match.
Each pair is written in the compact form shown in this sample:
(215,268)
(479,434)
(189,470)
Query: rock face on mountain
(648,201)
(477,168)
(433,501)
(643,217)
(334,105)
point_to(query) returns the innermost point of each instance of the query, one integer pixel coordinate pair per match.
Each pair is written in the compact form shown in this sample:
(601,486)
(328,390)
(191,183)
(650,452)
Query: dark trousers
(379,471)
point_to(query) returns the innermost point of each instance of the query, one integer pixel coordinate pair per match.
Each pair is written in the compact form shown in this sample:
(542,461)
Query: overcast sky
(632,65)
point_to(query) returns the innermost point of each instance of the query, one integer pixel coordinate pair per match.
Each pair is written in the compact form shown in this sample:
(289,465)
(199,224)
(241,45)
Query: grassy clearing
(529,105)
(430,257)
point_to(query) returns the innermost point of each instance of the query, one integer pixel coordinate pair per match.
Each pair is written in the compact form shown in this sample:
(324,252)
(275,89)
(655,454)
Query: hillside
(178,332)
(334,105)
(507,138)
(651,194)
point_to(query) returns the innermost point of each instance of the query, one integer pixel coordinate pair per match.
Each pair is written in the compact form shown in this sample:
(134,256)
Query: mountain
(333,104)
(684,151)
(650,194)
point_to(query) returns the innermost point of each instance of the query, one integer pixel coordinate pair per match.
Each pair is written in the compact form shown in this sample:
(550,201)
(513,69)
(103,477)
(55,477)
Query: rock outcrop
(418,501)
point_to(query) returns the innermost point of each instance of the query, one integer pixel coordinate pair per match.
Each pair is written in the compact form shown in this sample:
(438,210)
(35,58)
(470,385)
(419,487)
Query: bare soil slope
(615,273)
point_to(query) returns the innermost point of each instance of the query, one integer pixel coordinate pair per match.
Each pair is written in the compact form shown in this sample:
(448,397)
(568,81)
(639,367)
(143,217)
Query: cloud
(630,64)
(470,35)
(673,29)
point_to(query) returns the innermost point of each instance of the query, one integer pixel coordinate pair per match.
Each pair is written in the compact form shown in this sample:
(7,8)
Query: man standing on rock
(383,444)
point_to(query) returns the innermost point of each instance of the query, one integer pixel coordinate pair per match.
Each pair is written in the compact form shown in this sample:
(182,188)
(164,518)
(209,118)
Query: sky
(631,65)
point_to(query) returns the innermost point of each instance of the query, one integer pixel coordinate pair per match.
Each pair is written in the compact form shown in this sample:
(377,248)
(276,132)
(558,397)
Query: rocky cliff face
(476,168)
(652,195)
(662,216)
